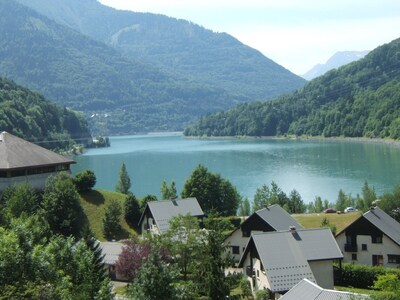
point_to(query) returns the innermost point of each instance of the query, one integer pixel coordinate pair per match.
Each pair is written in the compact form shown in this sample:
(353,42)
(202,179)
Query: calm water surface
(313,168)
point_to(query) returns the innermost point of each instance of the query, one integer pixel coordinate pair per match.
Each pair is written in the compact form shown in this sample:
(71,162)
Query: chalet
(22,161)
(158,214)
(277,261)
(111,252)
(307,289)
(272,218)
(372,239)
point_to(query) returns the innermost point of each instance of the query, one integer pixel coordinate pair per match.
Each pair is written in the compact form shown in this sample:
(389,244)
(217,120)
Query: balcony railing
(350,247)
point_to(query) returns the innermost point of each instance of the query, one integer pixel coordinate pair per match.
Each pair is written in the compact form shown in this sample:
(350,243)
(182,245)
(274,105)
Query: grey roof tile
(384,222)
(111,251)
(277,217)
(17,153)
(164,211)
(308,290)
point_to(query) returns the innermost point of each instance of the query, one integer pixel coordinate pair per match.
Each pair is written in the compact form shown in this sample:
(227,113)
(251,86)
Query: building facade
(22,161)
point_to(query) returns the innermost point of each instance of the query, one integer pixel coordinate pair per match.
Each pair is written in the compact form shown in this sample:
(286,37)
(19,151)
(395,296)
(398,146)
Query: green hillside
(27,114)
(189,50)
(94,203)
(122,95)
(361,99)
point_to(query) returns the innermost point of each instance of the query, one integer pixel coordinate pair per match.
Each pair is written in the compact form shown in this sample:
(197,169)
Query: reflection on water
(313,168)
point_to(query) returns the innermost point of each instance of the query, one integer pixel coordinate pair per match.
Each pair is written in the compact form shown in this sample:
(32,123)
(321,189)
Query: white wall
(365,257)
(323,273)
(237,239)
(37,181)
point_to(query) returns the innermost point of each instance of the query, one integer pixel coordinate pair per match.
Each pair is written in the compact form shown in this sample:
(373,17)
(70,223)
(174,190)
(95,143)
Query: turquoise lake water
(313,168)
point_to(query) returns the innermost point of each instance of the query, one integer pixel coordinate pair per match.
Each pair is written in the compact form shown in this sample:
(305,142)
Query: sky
(297,34)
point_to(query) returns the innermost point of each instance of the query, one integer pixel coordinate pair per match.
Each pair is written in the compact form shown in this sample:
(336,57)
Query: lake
(313,168)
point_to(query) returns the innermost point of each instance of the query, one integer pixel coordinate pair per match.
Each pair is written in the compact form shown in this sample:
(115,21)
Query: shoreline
(389,142)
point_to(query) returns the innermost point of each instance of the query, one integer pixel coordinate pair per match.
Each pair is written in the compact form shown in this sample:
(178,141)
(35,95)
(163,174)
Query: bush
(85,181)
(361,276)
(387,282)
(262,295)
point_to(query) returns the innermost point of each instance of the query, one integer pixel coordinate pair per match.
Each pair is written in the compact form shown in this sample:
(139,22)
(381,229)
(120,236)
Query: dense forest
(361,99)
(122,94)
(179,46)
(29,115)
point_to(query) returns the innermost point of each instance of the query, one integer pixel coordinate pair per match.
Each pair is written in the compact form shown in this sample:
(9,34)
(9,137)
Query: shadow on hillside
(93,197)
(122,235)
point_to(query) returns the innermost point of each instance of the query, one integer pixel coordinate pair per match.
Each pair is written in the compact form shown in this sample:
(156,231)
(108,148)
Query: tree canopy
(213,192)
(357,100)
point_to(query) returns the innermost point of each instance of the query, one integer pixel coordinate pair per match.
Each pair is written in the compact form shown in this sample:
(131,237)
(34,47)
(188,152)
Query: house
(22,161)
(277,261)
(307,289)
(272,218)
(111,252)
(372,239)
(158,214)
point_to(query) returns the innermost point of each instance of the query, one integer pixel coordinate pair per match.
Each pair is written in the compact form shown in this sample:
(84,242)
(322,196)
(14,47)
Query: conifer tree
(124,181)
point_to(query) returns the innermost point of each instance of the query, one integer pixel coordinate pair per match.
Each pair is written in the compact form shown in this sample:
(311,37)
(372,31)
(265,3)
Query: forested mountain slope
(179,46)
(28,115)
(361,99)
(122,95)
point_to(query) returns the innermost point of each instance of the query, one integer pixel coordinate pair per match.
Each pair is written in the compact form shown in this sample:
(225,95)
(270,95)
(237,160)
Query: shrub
(387,282)
(361,276)
(262,295)
(85,181)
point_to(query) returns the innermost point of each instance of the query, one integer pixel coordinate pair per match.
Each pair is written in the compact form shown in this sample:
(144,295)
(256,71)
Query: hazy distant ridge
(337,60)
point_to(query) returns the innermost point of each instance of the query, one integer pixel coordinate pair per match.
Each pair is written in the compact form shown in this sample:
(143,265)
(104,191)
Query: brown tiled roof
(16,153)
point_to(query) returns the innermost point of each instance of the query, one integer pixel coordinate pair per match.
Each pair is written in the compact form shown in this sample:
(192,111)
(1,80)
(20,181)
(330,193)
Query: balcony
(250,271)
(350,247)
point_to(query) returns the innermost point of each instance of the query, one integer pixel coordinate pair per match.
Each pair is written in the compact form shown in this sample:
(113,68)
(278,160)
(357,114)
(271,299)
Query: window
(377,260)
(235,250)
(354,256)
(393,259)
(364,247)
(376,239)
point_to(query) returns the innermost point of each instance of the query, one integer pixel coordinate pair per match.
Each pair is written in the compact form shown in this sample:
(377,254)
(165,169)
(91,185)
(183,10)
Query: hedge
(361,276)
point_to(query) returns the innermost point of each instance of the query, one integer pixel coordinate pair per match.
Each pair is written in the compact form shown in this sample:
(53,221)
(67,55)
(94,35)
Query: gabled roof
(163,211)
(111,251)
(273,217)
(306,289)
(384,222)
(277,217)
(16,153)
(381,220)
(285,255)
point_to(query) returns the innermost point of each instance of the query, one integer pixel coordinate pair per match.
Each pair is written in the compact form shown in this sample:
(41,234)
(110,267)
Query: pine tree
(124,182)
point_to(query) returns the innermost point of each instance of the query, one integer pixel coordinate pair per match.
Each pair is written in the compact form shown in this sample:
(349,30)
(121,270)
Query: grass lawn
(94,203)
(341,221)
(359,291)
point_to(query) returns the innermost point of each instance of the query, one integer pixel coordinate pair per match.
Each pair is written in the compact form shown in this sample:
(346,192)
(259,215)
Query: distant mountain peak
(337,60)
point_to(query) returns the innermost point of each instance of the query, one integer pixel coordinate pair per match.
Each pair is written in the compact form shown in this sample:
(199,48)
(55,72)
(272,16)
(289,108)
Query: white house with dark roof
(372,239)
(272,218)
(157,215)
(22,161)
(308,290)
(277,261)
